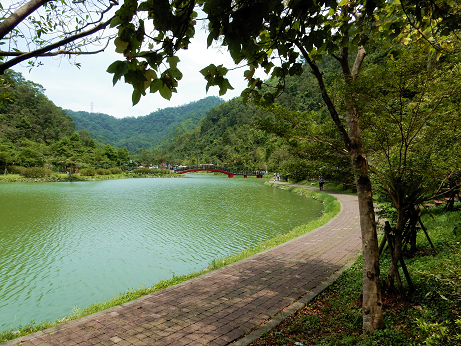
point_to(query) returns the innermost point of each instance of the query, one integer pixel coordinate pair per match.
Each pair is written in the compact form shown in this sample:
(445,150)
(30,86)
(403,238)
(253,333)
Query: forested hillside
(26,113)
(37,136)
(145,131)
(243,136)
(35,133)
(410,115)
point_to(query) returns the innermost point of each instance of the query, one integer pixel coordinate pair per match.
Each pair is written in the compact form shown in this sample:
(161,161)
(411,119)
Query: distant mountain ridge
(143,131)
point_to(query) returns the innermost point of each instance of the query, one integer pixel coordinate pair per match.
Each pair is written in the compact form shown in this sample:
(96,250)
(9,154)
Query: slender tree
(410,117)
(273,34)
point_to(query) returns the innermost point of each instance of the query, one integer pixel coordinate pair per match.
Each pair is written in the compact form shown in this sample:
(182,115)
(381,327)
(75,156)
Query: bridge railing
(224,169)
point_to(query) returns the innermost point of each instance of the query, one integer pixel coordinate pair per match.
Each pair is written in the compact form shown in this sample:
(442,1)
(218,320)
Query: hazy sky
(72,88)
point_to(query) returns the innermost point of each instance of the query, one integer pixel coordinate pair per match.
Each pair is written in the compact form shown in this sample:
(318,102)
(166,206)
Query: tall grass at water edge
(331,208)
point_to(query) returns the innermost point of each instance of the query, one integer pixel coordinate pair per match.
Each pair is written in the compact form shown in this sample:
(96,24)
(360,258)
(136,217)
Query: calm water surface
(73,244)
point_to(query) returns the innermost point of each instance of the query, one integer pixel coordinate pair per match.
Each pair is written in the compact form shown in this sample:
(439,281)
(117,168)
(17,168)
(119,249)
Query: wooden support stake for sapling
(427,235)
(396,273)
(383,243)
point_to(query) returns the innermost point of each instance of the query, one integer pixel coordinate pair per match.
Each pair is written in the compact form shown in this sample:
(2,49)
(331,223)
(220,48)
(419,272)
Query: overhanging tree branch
(326,98)
(43,50)
(57,52)
(19,15)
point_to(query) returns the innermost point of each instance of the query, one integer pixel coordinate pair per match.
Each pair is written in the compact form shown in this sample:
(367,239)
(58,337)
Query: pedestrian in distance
(321,183)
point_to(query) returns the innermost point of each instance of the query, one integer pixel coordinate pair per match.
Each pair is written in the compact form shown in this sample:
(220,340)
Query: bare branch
(56,52)
(331,108)
(101,17)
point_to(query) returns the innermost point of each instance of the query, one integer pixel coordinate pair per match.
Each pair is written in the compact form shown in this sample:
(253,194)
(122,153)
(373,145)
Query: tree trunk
(372,301)
(451,202)
(413,232)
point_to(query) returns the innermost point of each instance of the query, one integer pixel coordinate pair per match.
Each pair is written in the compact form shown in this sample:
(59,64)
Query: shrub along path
(245,298)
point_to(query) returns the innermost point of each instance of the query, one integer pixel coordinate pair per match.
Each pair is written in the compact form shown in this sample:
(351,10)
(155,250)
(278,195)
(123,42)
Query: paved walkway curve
(221,307)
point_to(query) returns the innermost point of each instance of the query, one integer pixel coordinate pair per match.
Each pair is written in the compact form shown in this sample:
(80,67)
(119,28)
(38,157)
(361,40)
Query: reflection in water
(73,244)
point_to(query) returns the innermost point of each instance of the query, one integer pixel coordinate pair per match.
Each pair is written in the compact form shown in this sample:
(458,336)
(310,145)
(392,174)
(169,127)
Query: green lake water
(73,244)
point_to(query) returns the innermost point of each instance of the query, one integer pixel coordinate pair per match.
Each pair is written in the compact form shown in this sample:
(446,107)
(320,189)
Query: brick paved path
(220,307)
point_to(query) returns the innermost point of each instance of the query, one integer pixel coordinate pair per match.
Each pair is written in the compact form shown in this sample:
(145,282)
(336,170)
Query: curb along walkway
(221,307)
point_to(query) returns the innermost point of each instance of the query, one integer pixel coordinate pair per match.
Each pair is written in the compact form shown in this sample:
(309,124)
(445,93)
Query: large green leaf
(120,45)
(162,88)
(224,86)
(166,92)
(156,85)
(173,61)
(136,97)
(118,68)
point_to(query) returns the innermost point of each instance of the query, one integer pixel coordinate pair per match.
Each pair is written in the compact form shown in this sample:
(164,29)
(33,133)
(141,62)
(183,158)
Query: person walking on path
(321,183)
(233,304)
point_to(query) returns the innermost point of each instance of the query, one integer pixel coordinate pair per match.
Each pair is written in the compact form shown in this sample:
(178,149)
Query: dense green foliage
(28,114)
(225,136)
(147,131)
(36,172)
(410,107)
(35,133)
(244,136)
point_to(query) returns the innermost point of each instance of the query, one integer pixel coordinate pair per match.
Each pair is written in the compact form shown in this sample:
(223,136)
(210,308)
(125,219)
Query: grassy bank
(331,208)
(331,186)
(431,315)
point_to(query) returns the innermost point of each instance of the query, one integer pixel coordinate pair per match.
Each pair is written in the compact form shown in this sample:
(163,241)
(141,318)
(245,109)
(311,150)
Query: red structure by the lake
(212,168)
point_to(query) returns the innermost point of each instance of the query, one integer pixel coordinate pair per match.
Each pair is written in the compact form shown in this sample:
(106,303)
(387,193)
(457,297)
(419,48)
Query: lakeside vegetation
(331,208)
(42,175)
(429,316)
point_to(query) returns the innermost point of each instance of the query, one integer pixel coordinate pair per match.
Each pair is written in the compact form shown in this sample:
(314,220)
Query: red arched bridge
(213,168)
